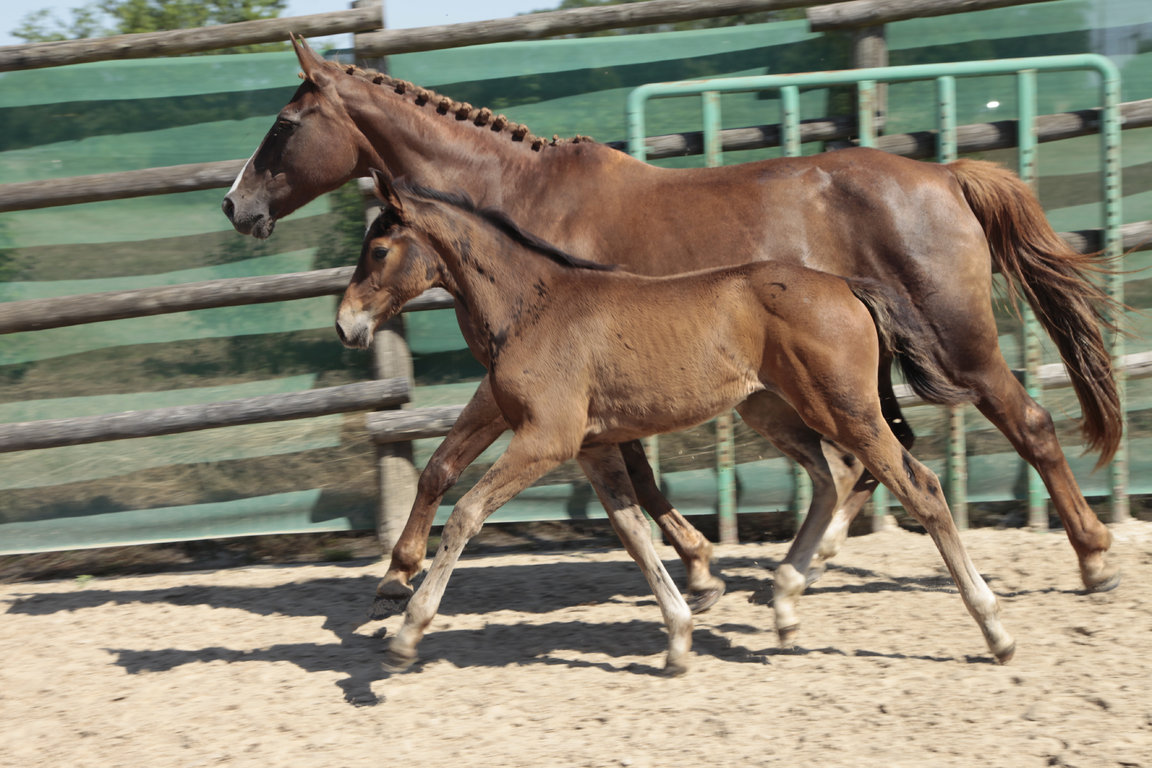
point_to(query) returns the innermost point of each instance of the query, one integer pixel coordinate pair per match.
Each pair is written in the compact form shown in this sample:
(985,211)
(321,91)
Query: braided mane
(462,111)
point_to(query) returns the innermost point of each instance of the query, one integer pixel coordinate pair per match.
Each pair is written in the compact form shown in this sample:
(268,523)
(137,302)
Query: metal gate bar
(866,82)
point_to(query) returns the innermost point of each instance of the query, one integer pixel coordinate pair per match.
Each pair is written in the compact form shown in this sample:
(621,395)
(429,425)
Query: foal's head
(313,148)
(396,265)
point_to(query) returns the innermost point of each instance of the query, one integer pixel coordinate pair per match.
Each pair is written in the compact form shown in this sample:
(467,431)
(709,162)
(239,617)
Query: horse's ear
(310,62)
(382,182)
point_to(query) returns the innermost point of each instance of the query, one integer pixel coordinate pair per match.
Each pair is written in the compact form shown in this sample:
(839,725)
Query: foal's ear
(386,193)
(311,62)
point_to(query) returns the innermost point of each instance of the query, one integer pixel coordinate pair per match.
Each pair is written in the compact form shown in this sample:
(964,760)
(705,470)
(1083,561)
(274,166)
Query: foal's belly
(653,410)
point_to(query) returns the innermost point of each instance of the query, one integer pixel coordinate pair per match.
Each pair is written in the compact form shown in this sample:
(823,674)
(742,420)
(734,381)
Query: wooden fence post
(395,463)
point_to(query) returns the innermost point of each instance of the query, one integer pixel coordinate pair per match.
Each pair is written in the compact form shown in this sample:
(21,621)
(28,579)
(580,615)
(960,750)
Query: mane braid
(500,221)
(462,111)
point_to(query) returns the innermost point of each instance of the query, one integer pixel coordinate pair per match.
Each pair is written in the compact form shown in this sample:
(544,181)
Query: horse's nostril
(229,208)
(340,333)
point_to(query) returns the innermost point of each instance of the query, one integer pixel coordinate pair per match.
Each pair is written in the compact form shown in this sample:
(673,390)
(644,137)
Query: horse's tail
(907,337)
(1054,279)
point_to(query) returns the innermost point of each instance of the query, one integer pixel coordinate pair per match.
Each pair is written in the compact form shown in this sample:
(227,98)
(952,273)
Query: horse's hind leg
(1029,428)
(832,479)
(694,549)
(605,469)
(477,427)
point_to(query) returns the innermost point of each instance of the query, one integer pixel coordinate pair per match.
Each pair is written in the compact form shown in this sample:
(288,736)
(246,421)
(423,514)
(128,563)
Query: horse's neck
(438,150)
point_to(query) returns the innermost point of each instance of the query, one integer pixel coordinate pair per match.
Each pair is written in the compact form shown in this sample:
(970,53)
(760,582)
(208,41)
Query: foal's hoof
(815,572)
(391,598)
(1005,655)
(674,668)
(383,607)
(788,636)
(701,600)
(398,661)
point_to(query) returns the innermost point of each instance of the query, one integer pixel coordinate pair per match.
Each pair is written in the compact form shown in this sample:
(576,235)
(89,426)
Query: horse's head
(313,148)
(396,265)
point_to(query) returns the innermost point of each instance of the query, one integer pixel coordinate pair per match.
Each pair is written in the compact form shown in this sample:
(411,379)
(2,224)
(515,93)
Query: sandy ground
(549,659)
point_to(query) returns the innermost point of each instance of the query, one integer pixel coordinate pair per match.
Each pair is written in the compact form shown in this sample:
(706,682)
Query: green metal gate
(867,83)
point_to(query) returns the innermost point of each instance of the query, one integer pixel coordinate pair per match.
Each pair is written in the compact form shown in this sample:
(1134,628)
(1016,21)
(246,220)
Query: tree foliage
(101,18)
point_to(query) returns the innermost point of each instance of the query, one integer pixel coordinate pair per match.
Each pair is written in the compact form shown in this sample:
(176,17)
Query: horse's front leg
(525,460)
(477,427)
(606,470)
(694,549)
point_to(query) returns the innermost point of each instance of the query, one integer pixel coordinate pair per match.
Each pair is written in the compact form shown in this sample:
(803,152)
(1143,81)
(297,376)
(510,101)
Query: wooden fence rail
(868,13)
(435,421)
(62,311)
(978,137)
(54,433)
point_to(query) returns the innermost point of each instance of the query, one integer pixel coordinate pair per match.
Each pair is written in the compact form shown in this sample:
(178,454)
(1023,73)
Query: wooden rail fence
(392,430)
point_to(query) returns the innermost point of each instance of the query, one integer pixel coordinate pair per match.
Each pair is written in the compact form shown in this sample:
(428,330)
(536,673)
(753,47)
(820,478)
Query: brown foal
(582,358)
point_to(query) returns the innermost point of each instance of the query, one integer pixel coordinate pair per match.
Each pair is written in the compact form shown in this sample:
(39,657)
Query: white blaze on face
(241,174)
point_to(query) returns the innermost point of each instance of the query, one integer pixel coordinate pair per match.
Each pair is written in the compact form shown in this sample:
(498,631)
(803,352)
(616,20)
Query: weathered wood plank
(53,433)
(863,13)
(148,45)
(218,175)
(553,23)
(62,311)
(28,195)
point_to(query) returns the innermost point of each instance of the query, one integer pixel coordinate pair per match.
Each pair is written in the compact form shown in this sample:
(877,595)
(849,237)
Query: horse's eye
(379,253)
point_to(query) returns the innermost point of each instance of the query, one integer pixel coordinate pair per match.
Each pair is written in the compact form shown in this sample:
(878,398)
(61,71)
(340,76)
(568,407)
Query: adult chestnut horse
(582,358)
(933,232)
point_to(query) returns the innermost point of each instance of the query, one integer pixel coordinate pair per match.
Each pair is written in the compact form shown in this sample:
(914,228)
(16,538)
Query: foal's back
(682,349)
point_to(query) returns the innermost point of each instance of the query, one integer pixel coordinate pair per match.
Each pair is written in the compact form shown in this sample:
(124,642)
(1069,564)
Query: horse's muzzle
(258,225)
(354,330)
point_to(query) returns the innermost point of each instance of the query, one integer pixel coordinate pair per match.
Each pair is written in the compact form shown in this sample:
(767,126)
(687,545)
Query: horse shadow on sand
(532,589)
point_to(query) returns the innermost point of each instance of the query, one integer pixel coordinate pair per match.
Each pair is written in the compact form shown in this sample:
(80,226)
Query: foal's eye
(379,253)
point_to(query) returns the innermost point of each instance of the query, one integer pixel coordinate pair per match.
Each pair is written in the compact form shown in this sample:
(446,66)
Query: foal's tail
(1054,280)
(904,334)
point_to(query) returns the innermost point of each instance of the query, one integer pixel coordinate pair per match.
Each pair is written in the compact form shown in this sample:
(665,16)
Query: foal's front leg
(477,427)
(525,460)
(694,549)
(605,468)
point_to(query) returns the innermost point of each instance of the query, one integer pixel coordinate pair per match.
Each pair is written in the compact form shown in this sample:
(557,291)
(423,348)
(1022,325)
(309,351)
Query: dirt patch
(549,659)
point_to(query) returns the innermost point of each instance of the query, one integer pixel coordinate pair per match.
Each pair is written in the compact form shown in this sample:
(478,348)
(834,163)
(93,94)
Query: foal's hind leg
(694,549)
(918,489)
(606,471)
(851,503)
(1029,428)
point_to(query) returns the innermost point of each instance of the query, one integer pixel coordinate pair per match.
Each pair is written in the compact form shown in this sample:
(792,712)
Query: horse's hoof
(1105,584)
(1005,655)
(788,636)
(674,669)
(701,600)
